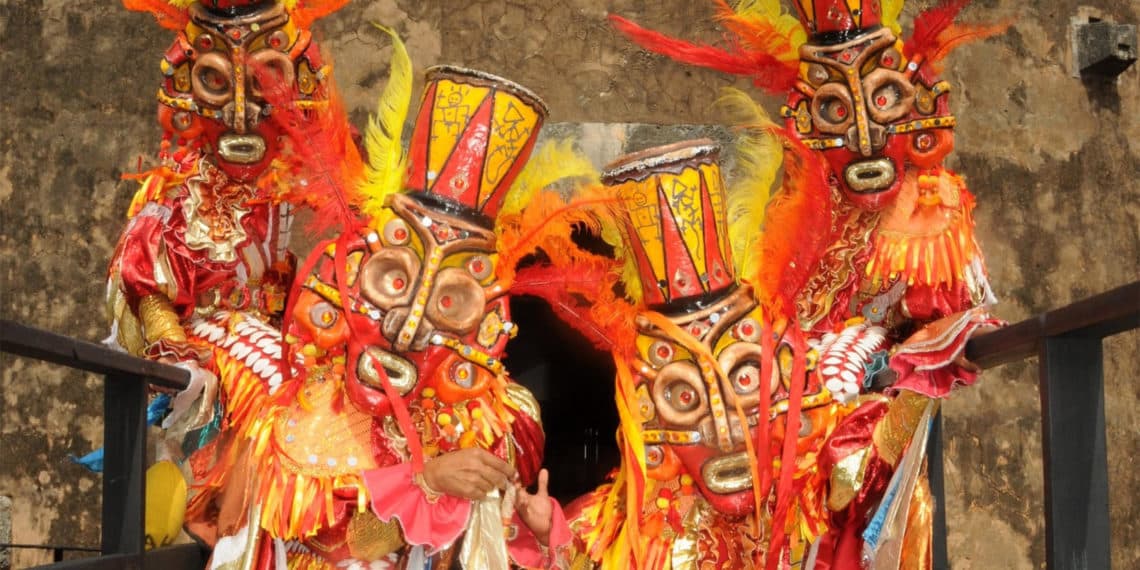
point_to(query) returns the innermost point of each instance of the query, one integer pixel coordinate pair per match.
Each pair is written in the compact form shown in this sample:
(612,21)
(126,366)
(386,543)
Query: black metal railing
(124,441)
(1068,342)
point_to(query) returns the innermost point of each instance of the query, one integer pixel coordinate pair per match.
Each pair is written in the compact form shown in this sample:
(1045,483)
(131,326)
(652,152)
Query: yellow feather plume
(382,138)
(785,23)
(891,11)
(759,156)
(553,162)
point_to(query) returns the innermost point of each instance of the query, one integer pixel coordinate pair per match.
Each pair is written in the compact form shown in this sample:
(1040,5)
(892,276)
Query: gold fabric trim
(159,321)
(847,479)
(526,401)
(894,432)
(370,538)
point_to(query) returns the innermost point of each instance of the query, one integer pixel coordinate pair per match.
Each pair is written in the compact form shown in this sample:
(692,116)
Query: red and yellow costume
(394,339)
(203,262)
(727,425)
(896,245)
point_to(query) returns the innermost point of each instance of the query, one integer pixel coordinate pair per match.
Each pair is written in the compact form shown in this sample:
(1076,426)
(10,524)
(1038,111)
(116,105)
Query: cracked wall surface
(1053,162)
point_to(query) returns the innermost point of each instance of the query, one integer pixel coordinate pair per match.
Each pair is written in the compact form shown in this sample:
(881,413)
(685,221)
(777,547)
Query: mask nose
(876,139)
(396,321)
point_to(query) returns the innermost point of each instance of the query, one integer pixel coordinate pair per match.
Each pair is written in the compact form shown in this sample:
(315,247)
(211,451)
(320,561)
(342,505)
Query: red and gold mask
(871,111)
(421,285)
(699,385)
(213,72)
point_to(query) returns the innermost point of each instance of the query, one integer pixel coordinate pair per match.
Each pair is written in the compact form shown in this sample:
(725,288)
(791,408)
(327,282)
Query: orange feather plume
(794,235)
(308,11)
(325,164)
(169,16)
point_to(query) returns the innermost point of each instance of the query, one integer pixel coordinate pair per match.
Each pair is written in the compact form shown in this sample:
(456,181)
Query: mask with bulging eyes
(871,112)
(419,288)
(700,392)
(428,310)
(213,73)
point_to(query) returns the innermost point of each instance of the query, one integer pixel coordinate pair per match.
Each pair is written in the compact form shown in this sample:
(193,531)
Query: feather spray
(765,27)
(936,35)
(536,217)
(766,70)
(169,14)
(383,137)
(930,24)
(891,10)
(759,156)
(305,12)
(794,234)
(324,163)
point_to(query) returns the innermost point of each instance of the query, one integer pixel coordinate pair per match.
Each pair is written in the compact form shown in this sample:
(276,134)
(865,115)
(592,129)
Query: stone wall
(1052,160)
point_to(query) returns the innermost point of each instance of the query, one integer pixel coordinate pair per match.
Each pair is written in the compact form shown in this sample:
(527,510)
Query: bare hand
(536,510)
(468,473)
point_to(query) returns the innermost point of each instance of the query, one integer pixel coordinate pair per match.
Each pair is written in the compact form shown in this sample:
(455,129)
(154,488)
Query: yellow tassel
(382,138)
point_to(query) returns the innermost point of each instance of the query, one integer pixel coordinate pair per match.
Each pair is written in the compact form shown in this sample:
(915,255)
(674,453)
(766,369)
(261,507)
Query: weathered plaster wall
(1053,162)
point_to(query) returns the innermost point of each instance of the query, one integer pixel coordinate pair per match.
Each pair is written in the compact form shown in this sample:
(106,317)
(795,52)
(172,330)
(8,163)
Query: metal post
(124,442)
(938,492)
(1076,465)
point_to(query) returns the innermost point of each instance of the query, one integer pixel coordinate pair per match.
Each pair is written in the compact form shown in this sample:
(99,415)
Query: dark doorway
(573,383)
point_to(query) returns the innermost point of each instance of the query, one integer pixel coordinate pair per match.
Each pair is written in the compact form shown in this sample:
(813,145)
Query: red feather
(168,16)
(767,72)
(309,11)
(795,233)
(930,24)
(583,295)
(325,164)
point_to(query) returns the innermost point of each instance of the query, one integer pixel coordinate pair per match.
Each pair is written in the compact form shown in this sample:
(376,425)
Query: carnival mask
(699,384)
(214,73)
(870,111)
(421,286)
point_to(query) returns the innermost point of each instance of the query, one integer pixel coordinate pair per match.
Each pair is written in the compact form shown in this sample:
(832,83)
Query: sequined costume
(394,339)
(897,248)
(726,425)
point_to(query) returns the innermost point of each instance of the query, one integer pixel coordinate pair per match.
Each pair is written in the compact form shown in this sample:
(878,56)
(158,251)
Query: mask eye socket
(205,43)
(396,232)
(682,396)
(278,40)
(742,362)
(270,65)
(890,95)
(890,58)
(323,315)
(660,353)
(457,303)
(817,74)
(387,278)
(463,374)
(480,267)
(679,395)
(746,377)
(886,97)
(210,79)
(832,110)
(747,330)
